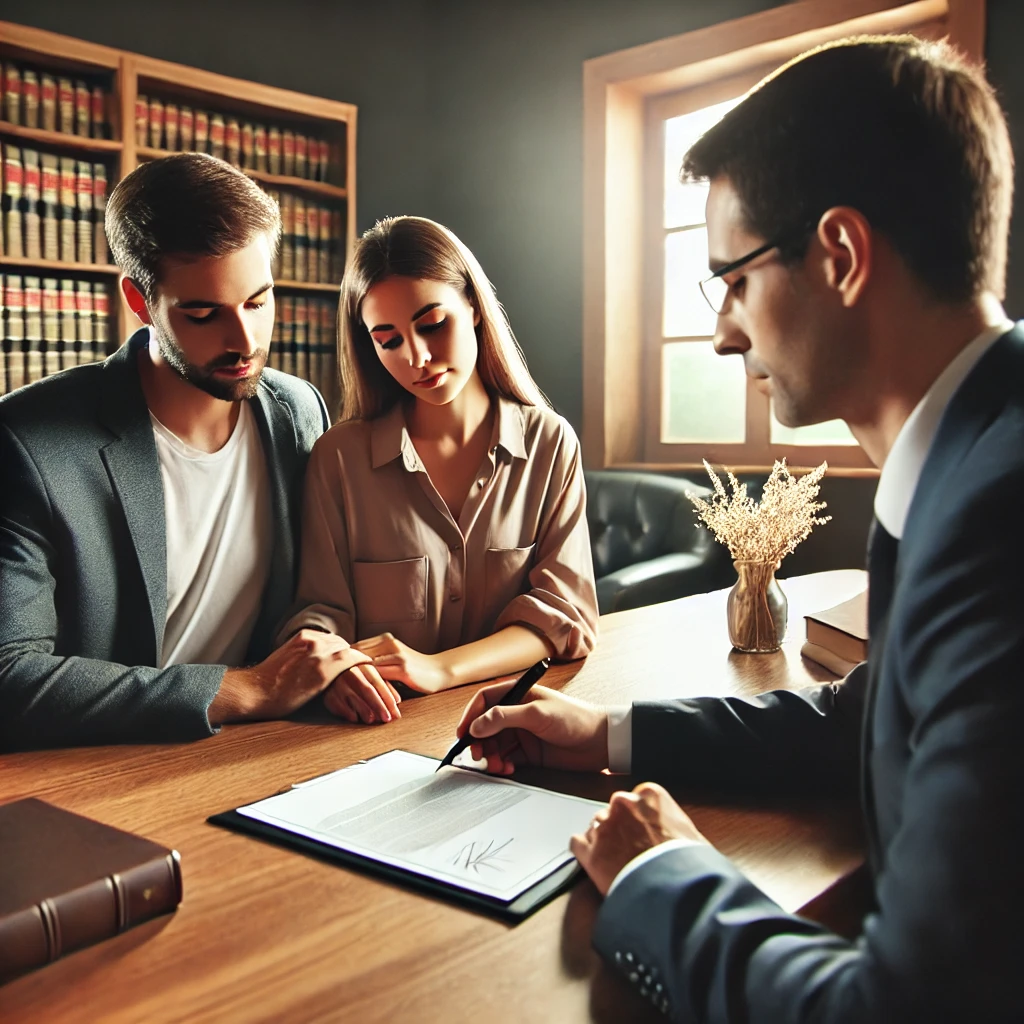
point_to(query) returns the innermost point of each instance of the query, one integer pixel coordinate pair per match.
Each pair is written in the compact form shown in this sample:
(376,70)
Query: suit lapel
(278,436)
(883,550)
(134,471)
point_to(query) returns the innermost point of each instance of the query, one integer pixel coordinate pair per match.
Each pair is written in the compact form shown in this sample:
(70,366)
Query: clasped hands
(552,730)
(367,691)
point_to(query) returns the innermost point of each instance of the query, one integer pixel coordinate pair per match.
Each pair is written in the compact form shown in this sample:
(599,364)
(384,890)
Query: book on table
(67,881)
(837,637)
(488,843)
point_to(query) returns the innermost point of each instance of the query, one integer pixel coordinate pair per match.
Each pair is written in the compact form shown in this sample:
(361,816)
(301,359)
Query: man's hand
(548,729)
(632,823)
(399,663)
(294,674)
(361,695)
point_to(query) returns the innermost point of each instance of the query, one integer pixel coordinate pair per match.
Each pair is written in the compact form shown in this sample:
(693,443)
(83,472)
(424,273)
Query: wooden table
(267,934)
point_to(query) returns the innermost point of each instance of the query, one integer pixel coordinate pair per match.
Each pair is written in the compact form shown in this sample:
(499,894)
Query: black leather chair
(646,543)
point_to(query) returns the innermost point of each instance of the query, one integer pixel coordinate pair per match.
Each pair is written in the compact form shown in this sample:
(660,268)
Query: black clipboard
(560,880)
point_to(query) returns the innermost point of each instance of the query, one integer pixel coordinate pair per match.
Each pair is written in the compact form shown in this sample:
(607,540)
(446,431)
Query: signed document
(481,833)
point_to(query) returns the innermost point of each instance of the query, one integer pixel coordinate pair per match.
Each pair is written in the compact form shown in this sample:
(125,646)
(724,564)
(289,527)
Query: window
(655,392)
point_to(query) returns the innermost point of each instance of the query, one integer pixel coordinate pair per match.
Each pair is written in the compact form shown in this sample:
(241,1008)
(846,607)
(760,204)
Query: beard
(202,377)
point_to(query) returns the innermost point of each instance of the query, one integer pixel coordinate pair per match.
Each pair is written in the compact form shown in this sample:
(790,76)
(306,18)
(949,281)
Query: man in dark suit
(858,216)
(149,504)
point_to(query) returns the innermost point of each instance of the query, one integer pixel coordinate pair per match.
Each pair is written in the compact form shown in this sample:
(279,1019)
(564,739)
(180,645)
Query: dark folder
(511,911)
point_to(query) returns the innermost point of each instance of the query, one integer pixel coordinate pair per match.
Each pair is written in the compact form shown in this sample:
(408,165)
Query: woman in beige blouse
(444,530)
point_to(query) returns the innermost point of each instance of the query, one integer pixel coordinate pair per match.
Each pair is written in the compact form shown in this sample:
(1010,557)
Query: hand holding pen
(511,696)
(545,729)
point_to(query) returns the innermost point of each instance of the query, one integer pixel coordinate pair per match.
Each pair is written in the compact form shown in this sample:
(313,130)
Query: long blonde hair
(423,249)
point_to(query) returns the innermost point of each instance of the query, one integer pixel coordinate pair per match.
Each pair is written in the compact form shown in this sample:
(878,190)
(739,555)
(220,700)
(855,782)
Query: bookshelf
(107,111)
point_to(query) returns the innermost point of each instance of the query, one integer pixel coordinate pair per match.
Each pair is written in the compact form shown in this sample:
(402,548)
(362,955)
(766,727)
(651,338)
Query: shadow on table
(67,973)
(611,998)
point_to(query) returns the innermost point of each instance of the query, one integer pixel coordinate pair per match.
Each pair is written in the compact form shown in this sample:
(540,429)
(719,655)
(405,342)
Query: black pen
(514,696)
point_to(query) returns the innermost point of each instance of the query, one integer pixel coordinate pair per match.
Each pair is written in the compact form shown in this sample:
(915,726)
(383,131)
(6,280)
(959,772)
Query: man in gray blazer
(858,216)
(149,504)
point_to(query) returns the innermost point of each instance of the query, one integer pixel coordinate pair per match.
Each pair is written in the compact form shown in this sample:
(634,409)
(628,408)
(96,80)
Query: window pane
(684,204)
(832,432)
(704,395)
(686,314)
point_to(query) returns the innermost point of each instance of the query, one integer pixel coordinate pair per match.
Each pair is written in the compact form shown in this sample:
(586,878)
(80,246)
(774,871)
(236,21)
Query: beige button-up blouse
(382,553)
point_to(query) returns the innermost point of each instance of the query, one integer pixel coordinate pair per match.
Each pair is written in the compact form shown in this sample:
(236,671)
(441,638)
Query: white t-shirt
(218,516)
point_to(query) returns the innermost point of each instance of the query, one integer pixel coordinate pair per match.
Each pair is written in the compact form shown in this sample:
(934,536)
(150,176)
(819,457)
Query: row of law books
(312,240)
(52,207)
(50,324)
(165,125)
(303,342)
(35,98)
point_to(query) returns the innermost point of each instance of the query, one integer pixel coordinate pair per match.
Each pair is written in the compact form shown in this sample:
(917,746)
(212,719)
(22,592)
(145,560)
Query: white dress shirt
(896,486)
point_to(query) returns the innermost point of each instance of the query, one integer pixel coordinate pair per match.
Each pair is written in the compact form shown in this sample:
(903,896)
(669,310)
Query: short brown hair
(420,248)
(905,131)
(186,205)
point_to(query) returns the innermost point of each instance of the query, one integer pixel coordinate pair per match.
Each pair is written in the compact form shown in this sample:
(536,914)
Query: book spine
(141,120)
(172,126)
(83,110)
(40,934)
(66,105)
(186,128)
(48,102)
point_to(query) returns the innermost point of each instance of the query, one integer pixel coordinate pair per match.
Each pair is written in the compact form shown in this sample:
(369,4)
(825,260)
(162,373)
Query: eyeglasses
(716,290)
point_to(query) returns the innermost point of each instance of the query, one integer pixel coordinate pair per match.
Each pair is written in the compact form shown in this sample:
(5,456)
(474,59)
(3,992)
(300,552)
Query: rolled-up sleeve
(561,603)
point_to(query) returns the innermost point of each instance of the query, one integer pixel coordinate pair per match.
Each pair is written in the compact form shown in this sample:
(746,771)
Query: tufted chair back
(647,518)
(634,517)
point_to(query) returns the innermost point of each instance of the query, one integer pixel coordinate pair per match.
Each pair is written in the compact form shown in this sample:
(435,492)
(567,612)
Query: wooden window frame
(620,296)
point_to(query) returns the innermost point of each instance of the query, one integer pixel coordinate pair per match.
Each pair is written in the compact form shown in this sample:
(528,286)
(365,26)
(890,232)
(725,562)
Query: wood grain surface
(267,934)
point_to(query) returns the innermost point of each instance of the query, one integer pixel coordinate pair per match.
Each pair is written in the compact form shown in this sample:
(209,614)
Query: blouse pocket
(507,569)
(391,591)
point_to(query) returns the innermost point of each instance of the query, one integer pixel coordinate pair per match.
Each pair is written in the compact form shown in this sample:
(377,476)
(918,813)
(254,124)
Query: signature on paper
(477,856)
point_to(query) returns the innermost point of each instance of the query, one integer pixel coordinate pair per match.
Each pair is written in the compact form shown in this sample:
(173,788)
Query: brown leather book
(67,881)
(843,629)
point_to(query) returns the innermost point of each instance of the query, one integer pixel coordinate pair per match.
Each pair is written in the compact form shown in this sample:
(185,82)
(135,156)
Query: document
(485,834)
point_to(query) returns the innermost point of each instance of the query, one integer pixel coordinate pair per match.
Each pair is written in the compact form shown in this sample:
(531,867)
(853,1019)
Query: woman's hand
(361,695)
(399,663)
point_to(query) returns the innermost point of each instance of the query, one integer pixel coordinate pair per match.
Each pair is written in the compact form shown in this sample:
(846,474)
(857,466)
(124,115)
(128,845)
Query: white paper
(486,834)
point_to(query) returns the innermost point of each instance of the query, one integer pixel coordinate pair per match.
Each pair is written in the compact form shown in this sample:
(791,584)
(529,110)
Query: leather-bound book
(67,881)
(838,637)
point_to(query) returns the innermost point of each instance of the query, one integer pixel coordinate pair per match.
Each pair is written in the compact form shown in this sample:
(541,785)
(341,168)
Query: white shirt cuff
(620,738)
(643,858)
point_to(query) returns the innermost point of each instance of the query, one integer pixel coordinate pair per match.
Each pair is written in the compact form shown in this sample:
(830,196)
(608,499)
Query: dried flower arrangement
(767,531)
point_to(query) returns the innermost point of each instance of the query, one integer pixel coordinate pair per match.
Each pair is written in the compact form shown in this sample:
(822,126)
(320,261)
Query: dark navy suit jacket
(83,561)
(931,732)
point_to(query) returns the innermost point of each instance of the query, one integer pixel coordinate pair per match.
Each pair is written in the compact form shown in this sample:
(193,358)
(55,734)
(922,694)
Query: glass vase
(757,608)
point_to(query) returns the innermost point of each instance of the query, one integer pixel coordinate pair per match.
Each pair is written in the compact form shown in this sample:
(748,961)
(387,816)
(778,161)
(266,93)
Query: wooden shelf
(58,266)
(65,139)
(321,188)
(307,286)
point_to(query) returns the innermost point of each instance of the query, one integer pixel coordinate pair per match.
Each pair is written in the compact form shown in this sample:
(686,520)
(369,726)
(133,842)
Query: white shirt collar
(902,469)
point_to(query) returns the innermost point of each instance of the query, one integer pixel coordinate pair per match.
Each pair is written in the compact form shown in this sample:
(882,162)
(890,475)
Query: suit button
(618,957)
(633,977)
(629,958)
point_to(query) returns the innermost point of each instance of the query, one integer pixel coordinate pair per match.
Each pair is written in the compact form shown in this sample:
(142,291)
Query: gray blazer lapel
(134,471)
(279,437)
